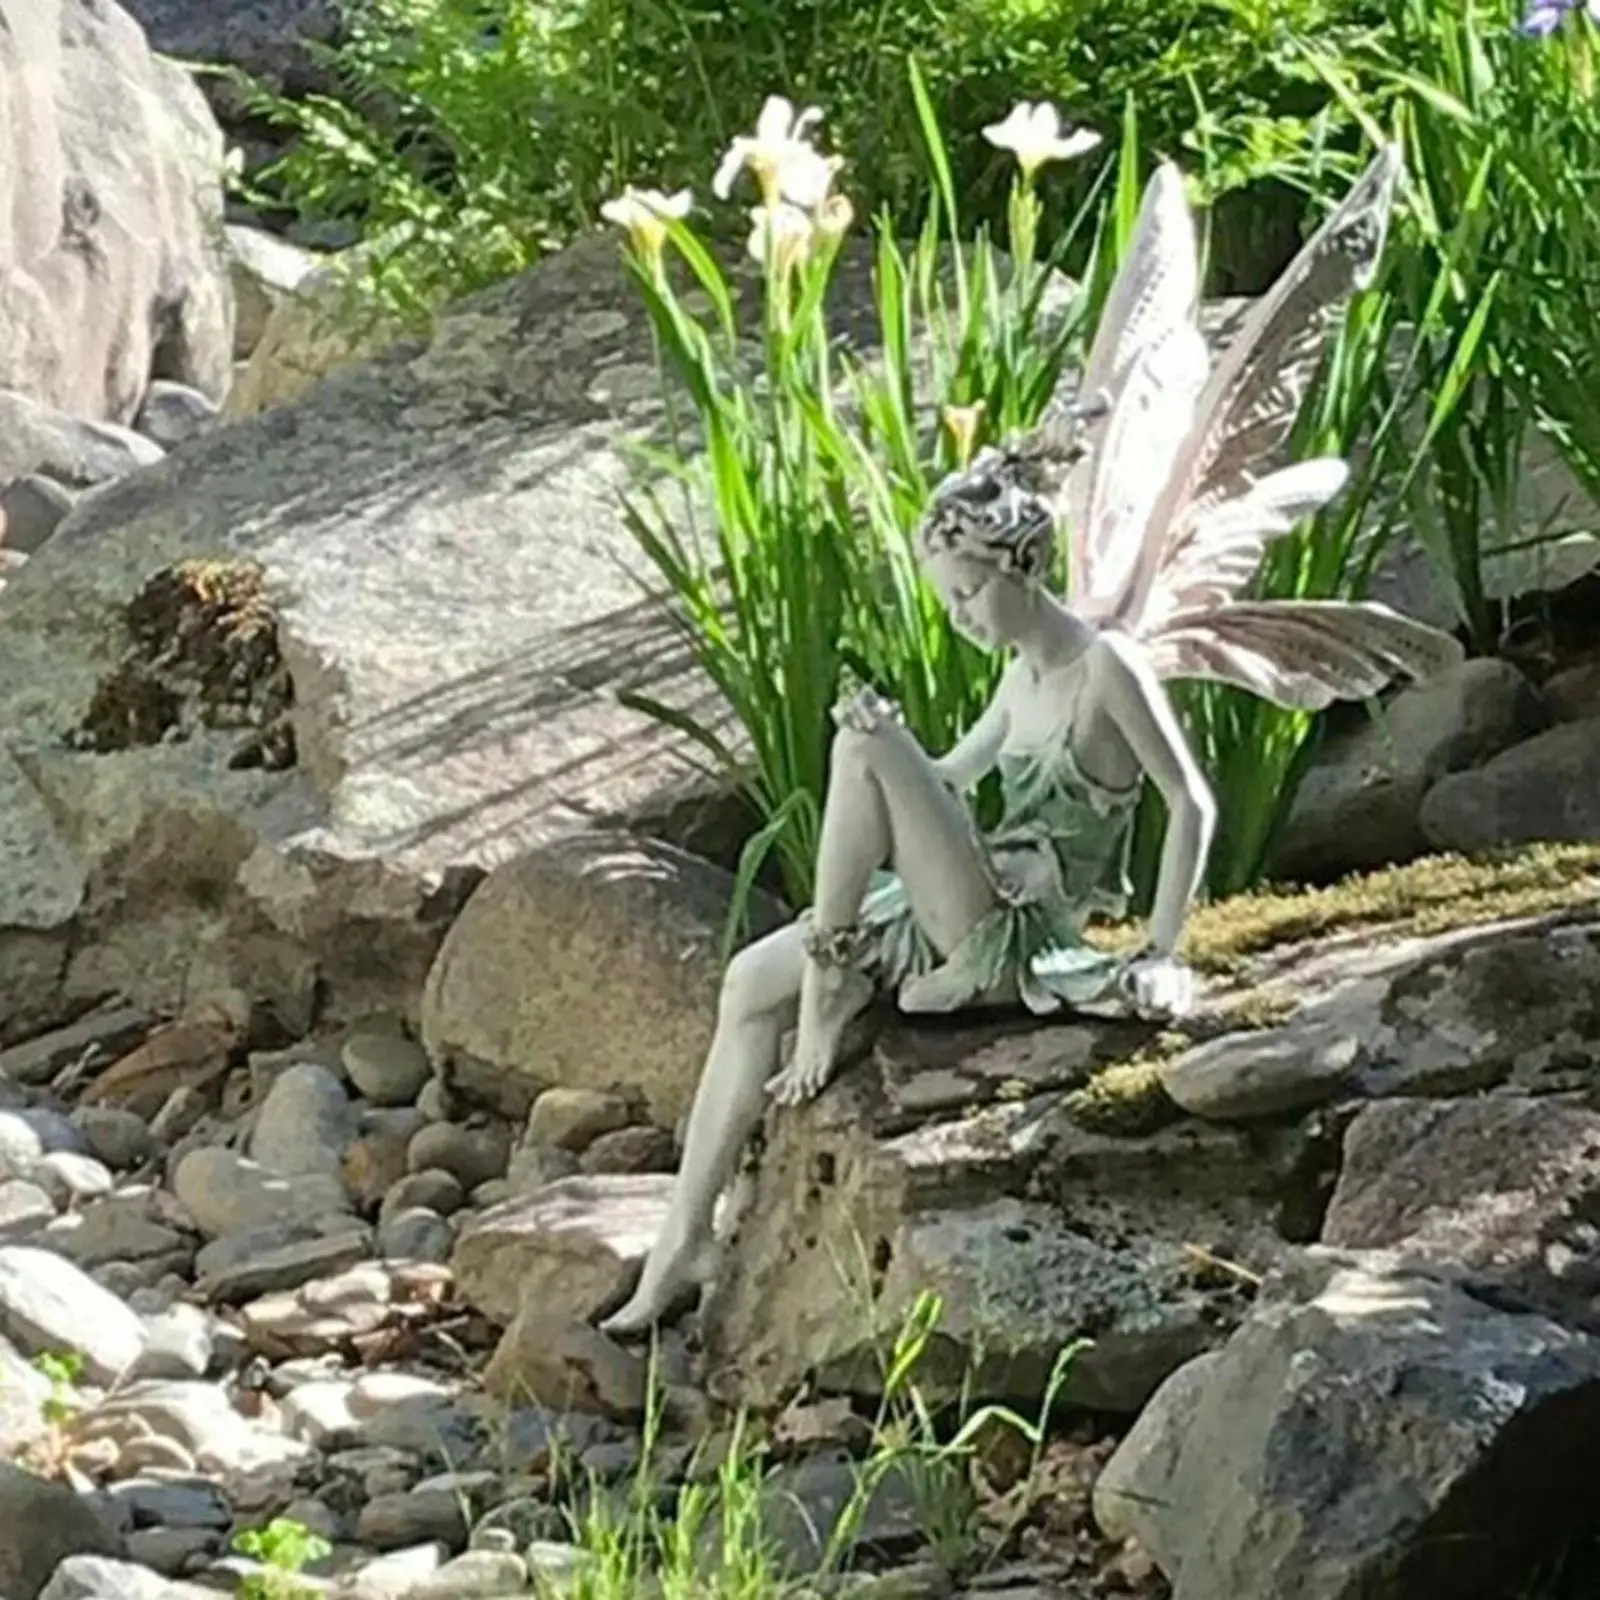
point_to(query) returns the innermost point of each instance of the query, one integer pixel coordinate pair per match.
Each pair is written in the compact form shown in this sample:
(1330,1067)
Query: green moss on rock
(1126,1098)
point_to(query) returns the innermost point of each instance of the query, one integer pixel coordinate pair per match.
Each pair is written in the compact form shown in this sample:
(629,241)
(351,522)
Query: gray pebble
(433,1187)
(70,1177)
(474,1155)
(384,1062)
(56,1131)
(416,1234)
(173,1551)
(181,1344)
(24,1208)
(173,413)
(392,1521)
(20,1146)
(117,1137)
(435,1101)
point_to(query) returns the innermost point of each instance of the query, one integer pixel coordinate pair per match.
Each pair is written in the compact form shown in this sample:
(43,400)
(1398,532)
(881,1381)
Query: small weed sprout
(63,1368)
(48,1455)
(284,1548)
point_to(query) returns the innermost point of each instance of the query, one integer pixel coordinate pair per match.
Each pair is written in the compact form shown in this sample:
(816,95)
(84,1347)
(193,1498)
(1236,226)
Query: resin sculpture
(1163,472)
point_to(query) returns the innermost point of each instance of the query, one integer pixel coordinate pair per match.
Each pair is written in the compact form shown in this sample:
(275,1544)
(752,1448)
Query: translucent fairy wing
(1231,538)
(1144,430)
(1303,654)
(1243,417)
(1151,300)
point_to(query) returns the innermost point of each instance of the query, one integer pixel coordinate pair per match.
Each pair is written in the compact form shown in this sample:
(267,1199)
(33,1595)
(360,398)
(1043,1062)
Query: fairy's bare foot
(662,1286)
(830,998)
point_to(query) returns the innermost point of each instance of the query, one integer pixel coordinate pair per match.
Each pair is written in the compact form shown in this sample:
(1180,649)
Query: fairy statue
(1165,475)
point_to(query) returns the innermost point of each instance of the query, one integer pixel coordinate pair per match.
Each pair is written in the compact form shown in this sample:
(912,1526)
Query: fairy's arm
(1138,706)
(977,750)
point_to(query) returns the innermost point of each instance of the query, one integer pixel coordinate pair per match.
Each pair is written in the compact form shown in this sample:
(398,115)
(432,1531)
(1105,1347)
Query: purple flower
(1543,17)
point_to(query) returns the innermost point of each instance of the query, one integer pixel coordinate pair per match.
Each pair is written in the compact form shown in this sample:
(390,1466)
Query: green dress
(1058,855)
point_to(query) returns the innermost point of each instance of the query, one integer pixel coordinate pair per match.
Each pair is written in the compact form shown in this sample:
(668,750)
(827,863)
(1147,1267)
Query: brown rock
(572,1248)
(376,1160)
(572,1119)
(638,1149)
(177,1055)
(569,1366)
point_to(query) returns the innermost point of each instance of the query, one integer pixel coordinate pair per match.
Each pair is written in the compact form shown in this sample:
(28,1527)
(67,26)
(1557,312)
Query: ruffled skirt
(1030,947)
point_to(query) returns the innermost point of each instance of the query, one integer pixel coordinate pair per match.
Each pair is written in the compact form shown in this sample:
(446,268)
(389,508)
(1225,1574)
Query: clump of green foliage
(1127,1098)
(715,1537)
(472,135)
(63,1368)
(467,137)
(285,1548)
(790,564)
(49,1453)
(1494,244)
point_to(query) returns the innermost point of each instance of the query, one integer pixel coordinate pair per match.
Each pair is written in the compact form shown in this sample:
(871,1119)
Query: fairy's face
(987,606)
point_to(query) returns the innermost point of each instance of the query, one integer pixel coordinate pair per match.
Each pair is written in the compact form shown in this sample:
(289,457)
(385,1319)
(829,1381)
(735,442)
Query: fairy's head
(987,541)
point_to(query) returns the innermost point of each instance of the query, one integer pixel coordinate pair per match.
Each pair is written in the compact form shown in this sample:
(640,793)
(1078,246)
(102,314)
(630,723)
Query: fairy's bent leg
(887,806)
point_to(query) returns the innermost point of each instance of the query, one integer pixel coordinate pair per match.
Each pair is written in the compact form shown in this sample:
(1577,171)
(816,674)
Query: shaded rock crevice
(201,650)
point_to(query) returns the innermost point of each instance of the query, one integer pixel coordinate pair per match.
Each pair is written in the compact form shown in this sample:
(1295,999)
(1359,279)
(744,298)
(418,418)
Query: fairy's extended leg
(886,805)
(755,1007)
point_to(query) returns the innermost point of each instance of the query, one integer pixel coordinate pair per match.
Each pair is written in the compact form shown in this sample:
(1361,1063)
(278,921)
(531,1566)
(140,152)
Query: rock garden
(363,921)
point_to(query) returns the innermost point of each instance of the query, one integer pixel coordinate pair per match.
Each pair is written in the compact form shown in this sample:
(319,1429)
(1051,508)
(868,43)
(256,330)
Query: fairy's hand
(866,711)
(1160,987)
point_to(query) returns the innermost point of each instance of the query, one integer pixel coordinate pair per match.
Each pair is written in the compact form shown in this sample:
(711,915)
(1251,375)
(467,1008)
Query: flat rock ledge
(1103,1182)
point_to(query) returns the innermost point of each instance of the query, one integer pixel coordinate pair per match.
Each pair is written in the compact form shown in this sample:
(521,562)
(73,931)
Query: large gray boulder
(112,268)
(514,986)
(1359,804)
(273,707)
(1457,1012)
(1369,1433)
(1499,1188)
(954,1166)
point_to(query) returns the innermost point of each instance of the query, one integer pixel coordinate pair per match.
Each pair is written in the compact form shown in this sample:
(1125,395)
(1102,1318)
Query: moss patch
(1255,1009)
(200,651)
(1127,1098)
(1430,895)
